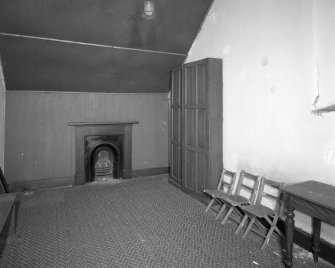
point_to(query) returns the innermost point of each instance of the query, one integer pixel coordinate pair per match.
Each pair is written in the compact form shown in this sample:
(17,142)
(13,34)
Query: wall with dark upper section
(39,143)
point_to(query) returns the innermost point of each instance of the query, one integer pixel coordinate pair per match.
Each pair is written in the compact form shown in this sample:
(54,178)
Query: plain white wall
(324,53)
(268,49)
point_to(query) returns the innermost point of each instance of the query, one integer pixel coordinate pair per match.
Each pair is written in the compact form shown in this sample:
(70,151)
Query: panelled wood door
(195,128)
(175,134)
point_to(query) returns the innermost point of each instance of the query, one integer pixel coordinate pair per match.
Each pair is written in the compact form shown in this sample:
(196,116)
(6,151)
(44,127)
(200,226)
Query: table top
(316,192)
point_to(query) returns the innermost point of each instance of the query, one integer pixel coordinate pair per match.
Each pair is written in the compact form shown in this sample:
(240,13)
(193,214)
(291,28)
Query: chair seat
(214,193)
(259,210)
(235,200)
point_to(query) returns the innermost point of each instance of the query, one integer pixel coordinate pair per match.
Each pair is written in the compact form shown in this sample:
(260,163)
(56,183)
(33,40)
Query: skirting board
(175,183)
(22,186)
(150,172)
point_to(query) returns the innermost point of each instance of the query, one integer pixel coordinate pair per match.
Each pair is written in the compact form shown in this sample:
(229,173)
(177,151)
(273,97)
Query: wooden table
(315,199)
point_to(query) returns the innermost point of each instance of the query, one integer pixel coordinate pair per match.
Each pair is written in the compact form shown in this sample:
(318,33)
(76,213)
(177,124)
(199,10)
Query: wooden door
(175,125)
(195,128)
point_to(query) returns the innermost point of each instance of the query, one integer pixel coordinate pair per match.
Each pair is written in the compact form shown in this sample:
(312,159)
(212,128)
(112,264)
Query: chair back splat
(247,186)
(268,205)
(225,185)
(270,194)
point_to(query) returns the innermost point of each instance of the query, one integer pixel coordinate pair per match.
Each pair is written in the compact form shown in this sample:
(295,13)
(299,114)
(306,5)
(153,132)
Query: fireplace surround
(113,140)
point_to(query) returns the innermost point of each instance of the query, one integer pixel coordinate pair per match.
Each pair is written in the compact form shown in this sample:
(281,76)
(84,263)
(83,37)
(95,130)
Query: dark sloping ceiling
(119,51)
(52,66)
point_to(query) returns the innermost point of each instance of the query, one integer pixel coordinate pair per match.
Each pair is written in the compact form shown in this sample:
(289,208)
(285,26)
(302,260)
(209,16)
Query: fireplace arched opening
(103,158)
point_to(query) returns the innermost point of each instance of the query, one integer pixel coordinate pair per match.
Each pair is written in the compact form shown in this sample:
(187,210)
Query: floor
(303,258)
(142,222)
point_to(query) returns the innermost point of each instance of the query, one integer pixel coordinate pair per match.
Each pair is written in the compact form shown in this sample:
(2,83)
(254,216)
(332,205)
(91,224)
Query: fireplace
(103,157)
(102,150)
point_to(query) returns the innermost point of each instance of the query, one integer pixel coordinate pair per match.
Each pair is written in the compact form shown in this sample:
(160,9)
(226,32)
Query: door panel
(189,170)
(201,84)
(202,129)
(201,172)
(176,160)
(176,88)
(175,127)
(190,129)
(190,85)
(176,124)
(194,113)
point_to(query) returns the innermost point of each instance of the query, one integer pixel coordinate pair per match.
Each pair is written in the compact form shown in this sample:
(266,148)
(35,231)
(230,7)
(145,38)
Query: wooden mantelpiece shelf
(103,123)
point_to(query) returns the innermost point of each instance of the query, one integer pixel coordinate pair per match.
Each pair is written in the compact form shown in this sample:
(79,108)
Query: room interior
(67,63)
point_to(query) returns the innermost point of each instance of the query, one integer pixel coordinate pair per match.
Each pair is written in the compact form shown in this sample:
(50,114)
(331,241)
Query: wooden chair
(267,206)
(245,194)
(225,185)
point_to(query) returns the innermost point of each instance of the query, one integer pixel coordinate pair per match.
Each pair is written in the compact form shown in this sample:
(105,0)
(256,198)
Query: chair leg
(279,232)
(274,223)
(209,205)
(220,212)
(267,238)
(241,224)
(249,226)
(227,215)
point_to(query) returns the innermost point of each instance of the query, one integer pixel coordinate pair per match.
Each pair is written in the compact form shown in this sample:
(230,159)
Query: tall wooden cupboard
(196,125)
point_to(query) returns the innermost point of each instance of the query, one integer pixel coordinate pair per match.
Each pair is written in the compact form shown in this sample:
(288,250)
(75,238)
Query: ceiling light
(149,10)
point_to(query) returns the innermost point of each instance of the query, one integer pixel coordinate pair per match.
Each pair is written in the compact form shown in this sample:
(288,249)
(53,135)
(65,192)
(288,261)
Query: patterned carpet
(143,222)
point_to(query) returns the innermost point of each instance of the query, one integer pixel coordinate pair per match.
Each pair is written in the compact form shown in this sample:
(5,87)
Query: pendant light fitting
(149,10)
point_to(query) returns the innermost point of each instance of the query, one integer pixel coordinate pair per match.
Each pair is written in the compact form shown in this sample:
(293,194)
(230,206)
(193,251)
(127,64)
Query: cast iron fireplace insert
(103,157)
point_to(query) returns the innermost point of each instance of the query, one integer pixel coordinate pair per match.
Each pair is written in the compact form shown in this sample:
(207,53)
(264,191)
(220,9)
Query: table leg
(316,238)
(289,229)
